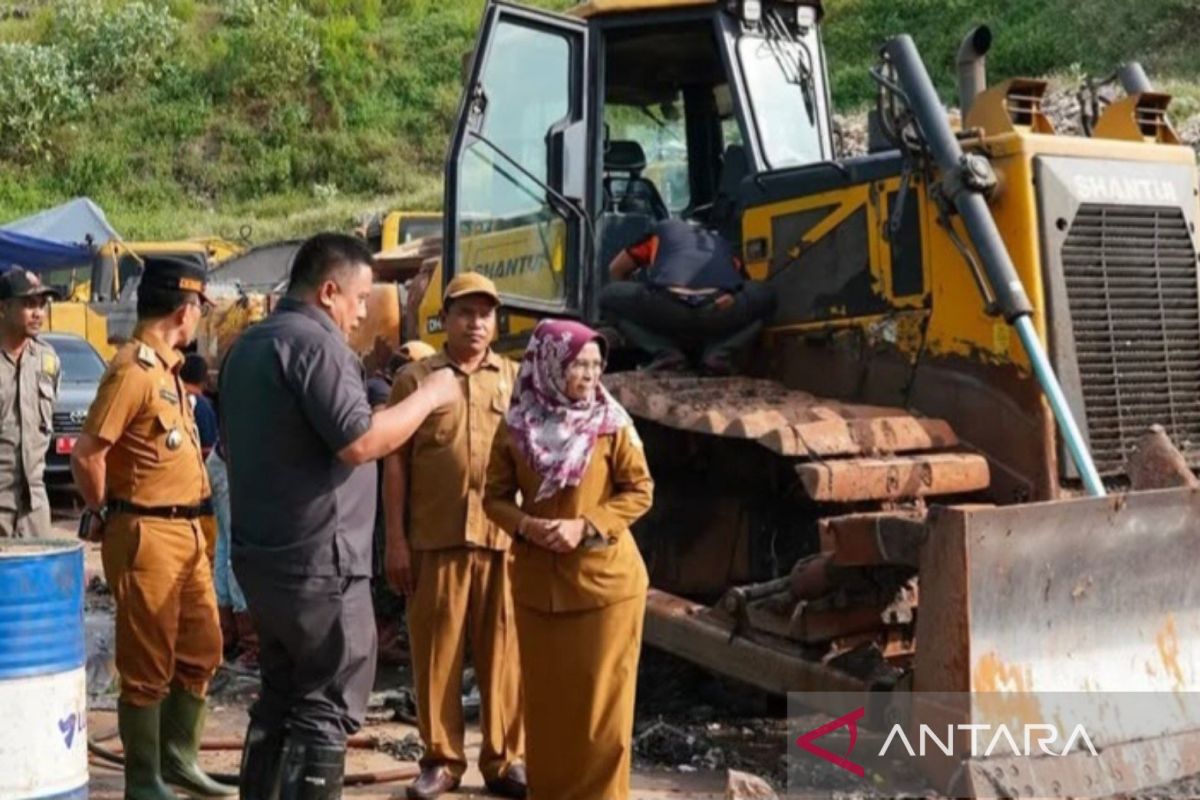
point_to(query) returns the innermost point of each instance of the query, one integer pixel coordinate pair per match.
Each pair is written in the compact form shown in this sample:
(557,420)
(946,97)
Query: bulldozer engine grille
(1131,285)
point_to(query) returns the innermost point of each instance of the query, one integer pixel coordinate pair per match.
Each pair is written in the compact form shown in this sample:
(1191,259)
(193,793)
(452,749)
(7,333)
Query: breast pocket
(166,432)
(438,430)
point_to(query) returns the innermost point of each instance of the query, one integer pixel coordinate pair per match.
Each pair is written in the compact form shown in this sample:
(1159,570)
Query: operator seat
(626,191)
(632,204)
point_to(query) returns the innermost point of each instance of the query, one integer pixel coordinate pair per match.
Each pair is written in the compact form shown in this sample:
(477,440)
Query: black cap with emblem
(174,274)
(20,282)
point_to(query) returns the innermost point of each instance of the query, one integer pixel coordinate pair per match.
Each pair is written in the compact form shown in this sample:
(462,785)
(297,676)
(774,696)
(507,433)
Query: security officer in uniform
(29,378)
(139,469)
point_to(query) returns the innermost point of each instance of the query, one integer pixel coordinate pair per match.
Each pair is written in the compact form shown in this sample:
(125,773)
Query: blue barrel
(43,688)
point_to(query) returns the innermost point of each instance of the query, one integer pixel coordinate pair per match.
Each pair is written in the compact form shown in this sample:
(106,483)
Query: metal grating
(1132,287)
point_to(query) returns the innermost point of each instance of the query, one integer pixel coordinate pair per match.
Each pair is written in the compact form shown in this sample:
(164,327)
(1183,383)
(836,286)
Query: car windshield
(80,364)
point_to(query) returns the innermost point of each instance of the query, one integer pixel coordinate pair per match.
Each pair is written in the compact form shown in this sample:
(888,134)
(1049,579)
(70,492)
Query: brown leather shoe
(432,782)
(512,784)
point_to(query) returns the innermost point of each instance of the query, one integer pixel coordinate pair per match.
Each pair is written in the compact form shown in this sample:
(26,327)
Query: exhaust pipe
(1133,79)
(972,66)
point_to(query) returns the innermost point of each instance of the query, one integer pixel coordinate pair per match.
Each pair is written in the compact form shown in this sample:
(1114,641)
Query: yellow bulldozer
(931,476)
(100,308)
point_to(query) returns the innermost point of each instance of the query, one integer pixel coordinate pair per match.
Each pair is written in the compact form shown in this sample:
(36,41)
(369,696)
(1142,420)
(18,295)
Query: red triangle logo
(850,721)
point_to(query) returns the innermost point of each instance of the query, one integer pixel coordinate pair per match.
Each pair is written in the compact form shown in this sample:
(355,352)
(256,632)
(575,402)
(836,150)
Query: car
(82,368)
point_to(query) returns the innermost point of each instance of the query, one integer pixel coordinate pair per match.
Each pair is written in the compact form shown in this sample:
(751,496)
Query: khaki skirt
(579,677)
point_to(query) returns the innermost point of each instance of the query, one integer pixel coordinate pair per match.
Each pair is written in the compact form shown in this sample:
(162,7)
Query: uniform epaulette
(145,355)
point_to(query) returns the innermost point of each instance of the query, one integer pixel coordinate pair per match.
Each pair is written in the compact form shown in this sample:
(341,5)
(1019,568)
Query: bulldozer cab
(579,132)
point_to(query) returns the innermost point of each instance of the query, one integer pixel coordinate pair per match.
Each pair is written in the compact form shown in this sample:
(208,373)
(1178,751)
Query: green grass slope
(190,117)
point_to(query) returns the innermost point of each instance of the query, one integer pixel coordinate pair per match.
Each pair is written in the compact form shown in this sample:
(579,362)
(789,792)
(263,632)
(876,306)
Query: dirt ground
(691,728)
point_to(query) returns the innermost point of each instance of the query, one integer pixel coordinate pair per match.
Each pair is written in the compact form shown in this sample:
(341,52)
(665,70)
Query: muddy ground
(691,727)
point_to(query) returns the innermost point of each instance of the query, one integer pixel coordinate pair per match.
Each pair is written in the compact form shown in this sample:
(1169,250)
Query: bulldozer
(922,482)
(101,308)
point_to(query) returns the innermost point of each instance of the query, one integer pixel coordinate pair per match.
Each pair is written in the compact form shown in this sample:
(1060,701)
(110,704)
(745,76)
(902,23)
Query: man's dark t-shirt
(292,397)
(679,255)
(206,422)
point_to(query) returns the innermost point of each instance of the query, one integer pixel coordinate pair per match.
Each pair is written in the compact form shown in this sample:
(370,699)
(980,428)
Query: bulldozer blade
(1084,611)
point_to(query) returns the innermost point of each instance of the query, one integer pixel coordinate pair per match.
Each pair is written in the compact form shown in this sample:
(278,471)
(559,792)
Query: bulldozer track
(851,484)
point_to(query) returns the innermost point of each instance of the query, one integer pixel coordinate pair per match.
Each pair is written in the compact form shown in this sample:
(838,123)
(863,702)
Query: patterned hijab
(555,434)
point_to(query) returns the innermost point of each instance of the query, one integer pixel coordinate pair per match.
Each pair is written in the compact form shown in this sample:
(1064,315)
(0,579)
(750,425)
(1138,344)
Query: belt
(203,509)
(693,298)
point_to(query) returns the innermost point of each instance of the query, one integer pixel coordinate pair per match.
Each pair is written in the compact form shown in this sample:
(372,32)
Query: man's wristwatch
(100,515)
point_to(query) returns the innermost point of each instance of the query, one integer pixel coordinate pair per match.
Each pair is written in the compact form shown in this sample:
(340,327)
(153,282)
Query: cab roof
(597,8)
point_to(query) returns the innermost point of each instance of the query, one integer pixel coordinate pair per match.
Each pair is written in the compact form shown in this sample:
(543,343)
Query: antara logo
(850,721)
(1043,736)
(986,740)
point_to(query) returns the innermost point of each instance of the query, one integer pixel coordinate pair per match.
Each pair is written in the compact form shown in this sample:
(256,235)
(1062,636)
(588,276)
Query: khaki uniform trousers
(463,594)
(579,677)
(167,628)
(33,524)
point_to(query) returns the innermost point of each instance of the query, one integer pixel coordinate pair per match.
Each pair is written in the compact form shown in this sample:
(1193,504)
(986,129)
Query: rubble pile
(408,748)
(1061,105)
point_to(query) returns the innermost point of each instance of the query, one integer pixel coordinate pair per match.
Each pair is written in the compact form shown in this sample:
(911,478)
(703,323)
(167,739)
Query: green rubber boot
(182,728)
(139,736)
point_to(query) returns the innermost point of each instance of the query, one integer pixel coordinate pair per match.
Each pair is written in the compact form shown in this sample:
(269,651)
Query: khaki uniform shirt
(142,411)
(447,456)
(28,388)
(615,491)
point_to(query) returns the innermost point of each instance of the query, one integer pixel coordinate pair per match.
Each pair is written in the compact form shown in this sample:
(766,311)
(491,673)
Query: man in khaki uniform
(450,560)
(29,378)
(139,469)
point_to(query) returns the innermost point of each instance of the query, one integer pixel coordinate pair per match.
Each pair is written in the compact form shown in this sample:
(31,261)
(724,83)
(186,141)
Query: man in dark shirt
(194,376)
(692,298)
(299,437)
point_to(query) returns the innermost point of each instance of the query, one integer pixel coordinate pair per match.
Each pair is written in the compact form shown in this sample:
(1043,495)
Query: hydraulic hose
(965,179)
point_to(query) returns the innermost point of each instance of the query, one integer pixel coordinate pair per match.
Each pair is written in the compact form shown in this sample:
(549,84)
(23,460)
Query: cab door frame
(568,147)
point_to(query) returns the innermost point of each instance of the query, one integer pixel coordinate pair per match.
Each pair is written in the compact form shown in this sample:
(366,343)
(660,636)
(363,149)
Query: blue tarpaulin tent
(17,249)
(54,238)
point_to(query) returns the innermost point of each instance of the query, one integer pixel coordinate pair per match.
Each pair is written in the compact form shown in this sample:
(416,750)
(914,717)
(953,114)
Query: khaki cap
(470,283)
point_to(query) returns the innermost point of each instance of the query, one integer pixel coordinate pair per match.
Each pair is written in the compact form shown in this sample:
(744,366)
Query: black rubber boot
(312,772)
(183,717)
(262,763)
(138,726)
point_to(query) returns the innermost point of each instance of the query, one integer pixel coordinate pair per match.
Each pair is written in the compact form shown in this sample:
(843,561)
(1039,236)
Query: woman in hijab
(579,584)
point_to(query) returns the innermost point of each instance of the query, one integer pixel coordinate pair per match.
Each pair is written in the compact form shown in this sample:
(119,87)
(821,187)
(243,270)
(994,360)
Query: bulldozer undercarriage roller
(858,475)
